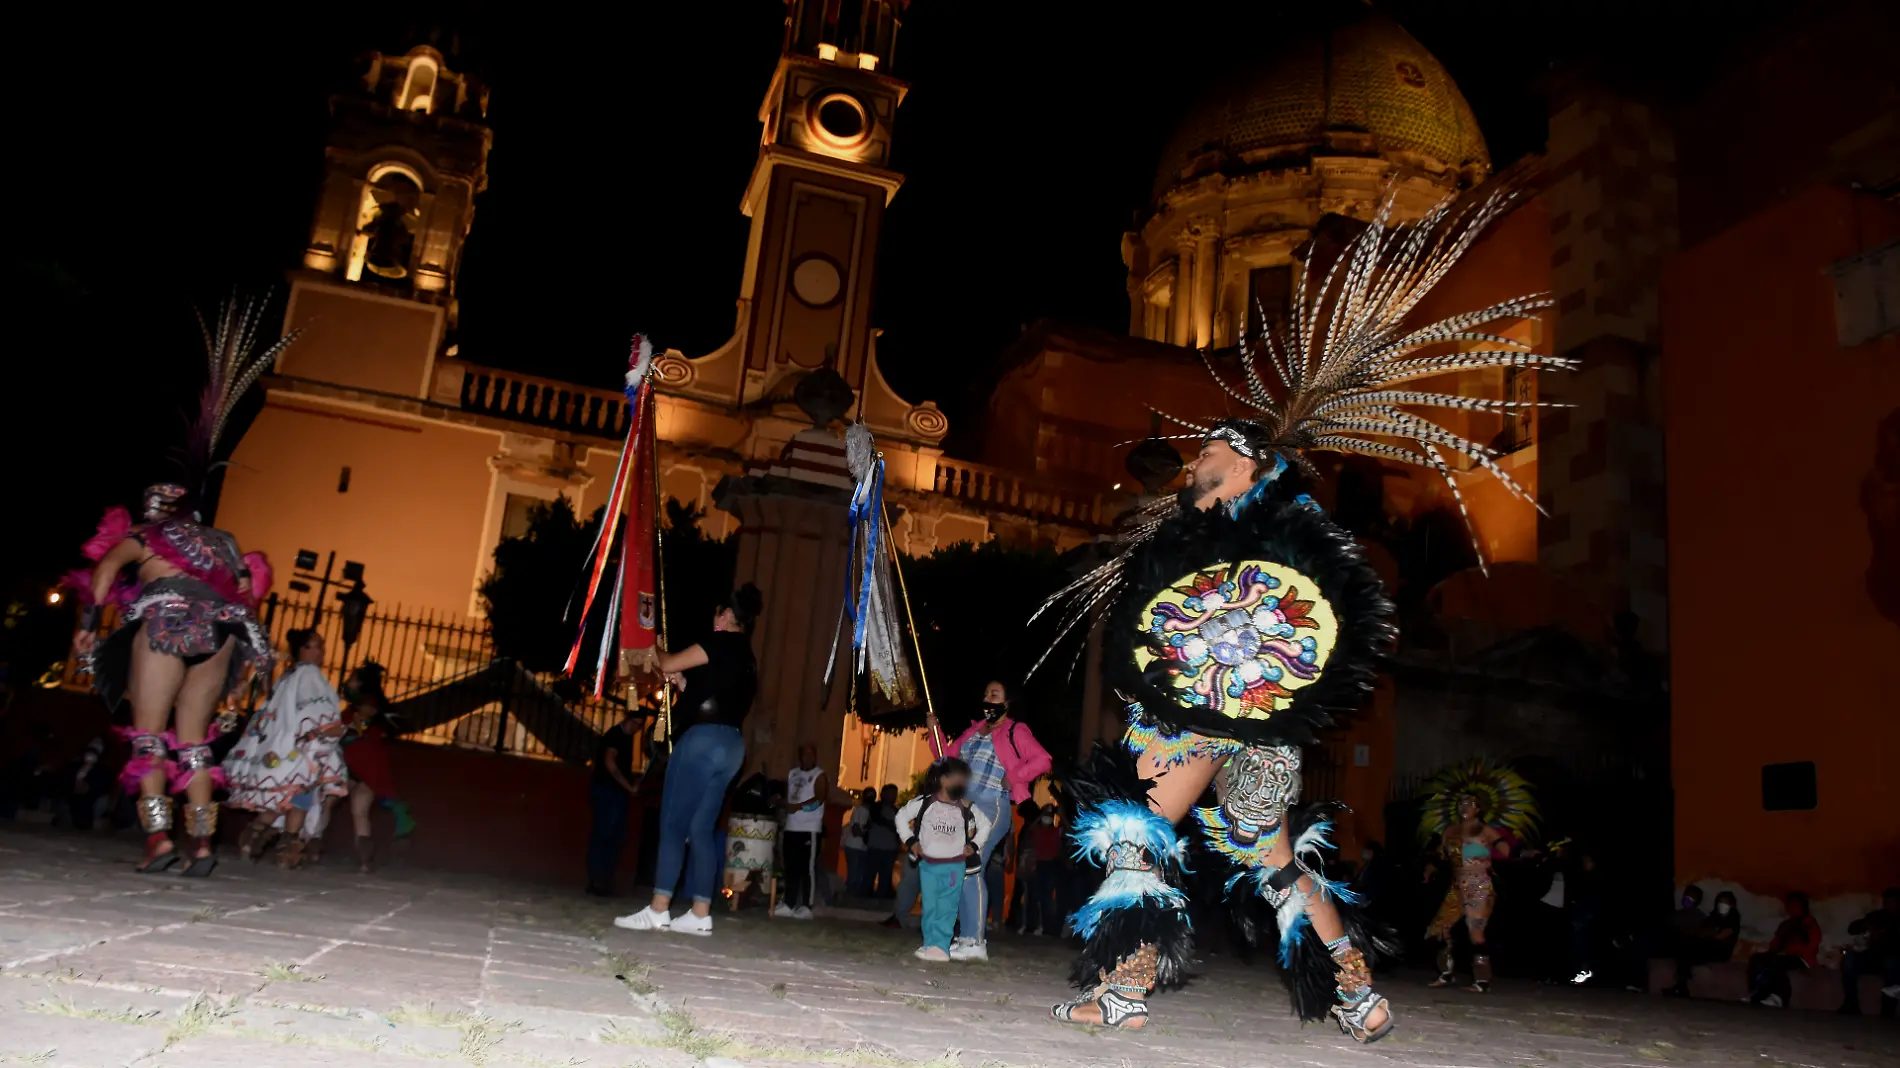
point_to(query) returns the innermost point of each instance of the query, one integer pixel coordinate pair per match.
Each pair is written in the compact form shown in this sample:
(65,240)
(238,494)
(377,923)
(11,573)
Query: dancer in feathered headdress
(1242,621)
(1475,813)
(187,632)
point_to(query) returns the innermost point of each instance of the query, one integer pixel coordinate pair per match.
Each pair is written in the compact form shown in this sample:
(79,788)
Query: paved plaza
(258,968)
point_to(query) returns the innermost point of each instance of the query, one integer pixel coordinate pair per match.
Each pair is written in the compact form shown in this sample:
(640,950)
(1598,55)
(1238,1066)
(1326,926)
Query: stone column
(1612,195)
(1181,303)
(1206,267)
(792,545)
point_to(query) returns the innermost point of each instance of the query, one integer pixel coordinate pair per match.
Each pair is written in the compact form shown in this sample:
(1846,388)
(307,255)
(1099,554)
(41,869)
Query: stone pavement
(255,967)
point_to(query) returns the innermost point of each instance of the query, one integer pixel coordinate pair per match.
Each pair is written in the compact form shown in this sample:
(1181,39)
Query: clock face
(816,281)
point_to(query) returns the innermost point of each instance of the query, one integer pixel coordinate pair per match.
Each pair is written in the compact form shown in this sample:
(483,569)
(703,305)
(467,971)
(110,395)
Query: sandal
(1444,979)
(257,840)
(1118,1010)
(1352,1020)
(1479,986)
(155,860)
(290,854)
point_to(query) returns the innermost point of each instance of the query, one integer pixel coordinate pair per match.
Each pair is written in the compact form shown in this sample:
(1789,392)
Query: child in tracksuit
(941,831)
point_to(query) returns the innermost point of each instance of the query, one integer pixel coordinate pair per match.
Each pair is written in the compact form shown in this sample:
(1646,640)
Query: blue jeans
(610,804)
(941,900)
(857,881)
(975,891)
(702,767)
(907,886)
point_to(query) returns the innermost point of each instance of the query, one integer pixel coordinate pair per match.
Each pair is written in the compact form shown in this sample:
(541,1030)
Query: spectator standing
(1045,880)
(1793,948)
(805,789)
(942,834)
(882,842)
(611,792)
(1005,760)
(1876,951)
(857,834)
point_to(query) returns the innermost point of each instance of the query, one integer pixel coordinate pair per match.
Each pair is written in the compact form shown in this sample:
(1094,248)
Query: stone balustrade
(527,399)
(990,488)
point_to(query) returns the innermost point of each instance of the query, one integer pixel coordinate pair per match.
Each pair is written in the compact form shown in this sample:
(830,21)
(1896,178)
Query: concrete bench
(1818,989)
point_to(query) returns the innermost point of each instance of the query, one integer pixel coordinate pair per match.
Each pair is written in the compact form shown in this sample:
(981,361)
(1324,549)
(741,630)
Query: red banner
(639,597)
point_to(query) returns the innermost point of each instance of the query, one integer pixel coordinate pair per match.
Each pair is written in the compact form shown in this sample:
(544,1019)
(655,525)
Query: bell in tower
(407,153)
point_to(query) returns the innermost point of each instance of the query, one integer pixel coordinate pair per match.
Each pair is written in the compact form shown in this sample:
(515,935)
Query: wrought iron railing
(447,687)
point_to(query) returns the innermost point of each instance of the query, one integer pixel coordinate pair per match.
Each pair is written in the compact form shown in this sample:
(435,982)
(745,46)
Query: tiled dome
(1366,75)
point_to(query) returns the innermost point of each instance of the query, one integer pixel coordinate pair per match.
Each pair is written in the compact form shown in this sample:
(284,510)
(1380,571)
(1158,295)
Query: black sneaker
(890,921)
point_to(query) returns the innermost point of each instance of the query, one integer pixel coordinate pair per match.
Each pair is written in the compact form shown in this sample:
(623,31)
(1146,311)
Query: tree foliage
(538,580)
(972,605)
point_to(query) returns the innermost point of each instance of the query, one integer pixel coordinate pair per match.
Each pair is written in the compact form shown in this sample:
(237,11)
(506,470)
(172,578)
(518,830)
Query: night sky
(164,158)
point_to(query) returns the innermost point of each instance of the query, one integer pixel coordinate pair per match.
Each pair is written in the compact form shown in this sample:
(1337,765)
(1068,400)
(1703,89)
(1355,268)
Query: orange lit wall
(281,494)
(1778,653)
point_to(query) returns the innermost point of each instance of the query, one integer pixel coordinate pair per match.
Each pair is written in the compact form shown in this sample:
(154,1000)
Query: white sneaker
(693,924)
(1890,991)
(644,920)
(1581,977)
(962,950)
(801,913)
(932,954)
(783,912)
(1773,1001)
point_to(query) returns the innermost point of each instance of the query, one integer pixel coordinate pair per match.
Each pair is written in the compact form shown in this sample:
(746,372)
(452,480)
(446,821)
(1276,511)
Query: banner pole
(923,679)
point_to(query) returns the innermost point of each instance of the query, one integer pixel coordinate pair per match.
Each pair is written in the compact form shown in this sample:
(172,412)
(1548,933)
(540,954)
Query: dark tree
(698,573)
(972,605)
(534,579)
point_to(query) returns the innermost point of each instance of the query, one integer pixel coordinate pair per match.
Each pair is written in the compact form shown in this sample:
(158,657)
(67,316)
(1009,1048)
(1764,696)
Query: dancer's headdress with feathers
(1503,797)
(1339,376)
(234,364)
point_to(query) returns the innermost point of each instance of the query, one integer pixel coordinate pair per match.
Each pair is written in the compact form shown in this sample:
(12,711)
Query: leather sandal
(1352,1019)
(1118,1010)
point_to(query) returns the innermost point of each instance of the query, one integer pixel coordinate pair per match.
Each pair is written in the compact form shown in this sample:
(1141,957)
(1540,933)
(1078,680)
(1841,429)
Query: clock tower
(818,193)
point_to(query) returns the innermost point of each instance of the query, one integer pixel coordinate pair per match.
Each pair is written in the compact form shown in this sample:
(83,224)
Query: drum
(749,842)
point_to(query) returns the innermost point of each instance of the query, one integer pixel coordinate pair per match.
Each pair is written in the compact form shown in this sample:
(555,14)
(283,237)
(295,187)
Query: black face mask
(993,711)
(956,791)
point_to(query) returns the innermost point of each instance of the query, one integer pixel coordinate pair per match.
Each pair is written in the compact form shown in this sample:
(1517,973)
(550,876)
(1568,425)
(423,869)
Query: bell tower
(407,152)
(818,193)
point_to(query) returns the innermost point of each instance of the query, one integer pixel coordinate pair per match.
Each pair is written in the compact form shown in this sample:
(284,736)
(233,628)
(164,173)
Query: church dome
(1362,87)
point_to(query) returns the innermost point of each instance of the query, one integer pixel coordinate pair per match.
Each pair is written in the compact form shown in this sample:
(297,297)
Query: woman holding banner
(717,679)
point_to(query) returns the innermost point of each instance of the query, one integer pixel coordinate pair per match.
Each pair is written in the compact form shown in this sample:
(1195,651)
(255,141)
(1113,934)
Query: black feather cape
(1288,532)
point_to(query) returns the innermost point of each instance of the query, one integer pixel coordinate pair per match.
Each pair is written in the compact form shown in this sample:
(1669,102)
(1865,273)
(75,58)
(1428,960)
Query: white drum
(749,842)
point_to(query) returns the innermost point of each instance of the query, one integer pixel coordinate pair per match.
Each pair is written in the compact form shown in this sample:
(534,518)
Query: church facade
(378,442)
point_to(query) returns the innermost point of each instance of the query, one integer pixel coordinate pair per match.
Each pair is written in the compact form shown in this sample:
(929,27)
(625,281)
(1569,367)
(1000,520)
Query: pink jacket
(1023,757)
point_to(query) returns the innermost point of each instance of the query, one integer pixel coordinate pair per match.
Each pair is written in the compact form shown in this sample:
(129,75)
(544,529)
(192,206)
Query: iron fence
(445,684)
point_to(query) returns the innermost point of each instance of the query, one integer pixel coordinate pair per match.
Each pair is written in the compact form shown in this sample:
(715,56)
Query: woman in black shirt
(717,679)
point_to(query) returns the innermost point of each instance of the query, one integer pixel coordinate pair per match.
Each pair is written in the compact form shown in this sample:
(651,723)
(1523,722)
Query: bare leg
(154,684)
(362,800)
(1176,787)
(197,703)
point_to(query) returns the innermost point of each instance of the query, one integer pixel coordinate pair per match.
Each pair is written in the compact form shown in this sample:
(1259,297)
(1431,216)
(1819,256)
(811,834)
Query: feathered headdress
(1340,374)
(1338,365)
(235,365)
(1503,797)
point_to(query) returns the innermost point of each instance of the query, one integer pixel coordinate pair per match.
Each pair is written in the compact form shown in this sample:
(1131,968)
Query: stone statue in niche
(390,241)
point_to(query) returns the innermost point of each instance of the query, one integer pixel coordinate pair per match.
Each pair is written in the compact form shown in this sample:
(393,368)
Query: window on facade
(418,89)
(1788,787)
(515,514)
(1867,295)
(1520,386)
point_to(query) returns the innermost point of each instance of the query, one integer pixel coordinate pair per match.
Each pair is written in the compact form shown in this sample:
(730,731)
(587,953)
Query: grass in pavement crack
(278,972)
(66,1007)
(197,1017)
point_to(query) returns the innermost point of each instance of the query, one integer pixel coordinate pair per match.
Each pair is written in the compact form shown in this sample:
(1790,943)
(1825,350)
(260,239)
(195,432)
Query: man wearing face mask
(1005,761)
